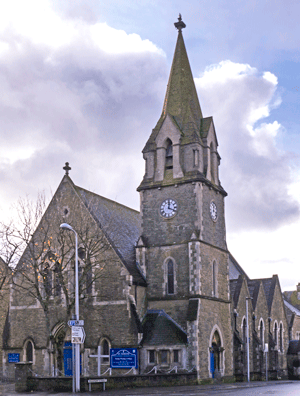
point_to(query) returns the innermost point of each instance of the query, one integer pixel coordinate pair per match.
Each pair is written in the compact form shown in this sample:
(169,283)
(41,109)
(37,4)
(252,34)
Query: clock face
(213,211)
(168,208)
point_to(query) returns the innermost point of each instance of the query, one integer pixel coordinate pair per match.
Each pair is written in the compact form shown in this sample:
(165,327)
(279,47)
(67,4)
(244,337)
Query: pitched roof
(253,287)
(160,329)
(269,285)
(235,270)
(235,289)
(121,226)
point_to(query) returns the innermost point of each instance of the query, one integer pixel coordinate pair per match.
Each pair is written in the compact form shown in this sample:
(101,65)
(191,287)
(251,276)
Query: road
(278,388)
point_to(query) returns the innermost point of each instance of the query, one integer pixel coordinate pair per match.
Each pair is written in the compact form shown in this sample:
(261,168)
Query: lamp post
(247,338)
(66,226)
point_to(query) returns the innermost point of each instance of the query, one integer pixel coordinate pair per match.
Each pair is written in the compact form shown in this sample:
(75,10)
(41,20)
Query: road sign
(78,335)
(76,323)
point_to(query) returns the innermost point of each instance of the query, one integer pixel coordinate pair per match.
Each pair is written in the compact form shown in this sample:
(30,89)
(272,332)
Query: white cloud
(254,171)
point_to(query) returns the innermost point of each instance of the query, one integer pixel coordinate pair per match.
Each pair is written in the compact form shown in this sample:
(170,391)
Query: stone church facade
(166,283)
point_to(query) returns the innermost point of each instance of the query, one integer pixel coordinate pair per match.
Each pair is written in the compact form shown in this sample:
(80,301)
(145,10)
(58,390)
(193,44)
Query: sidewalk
(9,389)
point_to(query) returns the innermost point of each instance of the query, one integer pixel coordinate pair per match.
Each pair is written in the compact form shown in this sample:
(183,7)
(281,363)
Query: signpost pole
(77,346)
(99,360)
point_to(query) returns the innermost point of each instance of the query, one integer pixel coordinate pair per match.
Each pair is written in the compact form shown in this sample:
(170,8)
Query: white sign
(266,348)
(76,323)
(78,335)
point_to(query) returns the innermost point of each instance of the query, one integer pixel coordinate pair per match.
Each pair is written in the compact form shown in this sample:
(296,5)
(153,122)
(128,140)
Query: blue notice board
(13,358)
(125,358)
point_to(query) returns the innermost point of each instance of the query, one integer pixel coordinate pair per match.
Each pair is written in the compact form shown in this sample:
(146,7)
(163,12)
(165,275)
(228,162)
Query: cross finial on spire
(67,168)
(180,24)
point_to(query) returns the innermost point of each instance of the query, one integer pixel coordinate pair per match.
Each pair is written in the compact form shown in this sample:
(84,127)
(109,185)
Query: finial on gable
(67,168)
(180,24)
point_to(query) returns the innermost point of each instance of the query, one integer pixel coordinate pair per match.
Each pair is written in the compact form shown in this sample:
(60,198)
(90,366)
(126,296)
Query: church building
(160,280)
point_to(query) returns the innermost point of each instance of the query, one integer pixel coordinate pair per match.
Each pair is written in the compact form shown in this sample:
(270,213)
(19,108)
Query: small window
(176,355)
(151,356)
(196,157)
(169,155)
(164,357)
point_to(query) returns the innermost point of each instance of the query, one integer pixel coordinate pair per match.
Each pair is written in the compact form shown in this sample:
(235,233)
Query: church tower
(182,249)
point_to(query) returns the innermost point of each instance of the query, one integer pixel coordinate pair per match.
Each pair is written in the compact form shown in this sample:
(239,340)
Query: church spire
(181,100)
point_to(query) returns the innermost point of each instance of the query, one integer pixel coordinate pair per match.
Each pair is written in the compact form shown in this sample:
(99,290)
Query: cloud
(83,99)
(256,174)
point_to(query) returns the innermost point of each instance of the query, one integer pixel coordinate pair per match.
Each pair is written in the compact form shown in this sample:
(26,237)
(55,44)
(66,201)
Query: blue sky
(84,82)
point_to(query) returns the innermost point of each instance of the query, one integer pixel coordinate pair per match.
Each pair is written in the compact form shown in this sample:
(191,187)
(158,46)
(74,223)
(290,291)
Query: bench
(96,381)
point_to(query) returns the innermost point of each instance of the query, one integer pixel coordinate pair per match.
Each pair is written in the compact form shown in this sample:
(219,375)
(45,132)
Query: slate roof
(235,289)
(253,287)
(292,298)
(290,315)
(160,329)
(235,270)
(121,226)
(269,285)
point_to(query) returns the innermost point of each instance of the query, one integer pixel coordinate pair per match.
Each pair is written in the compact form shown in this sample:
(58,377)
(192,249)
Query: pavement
(8,389)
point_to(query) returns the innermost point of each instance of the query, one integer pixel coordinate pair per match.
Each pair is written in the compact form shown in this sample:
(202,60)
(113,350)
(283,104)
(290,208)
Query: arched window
(47,275)
(281,337)
(261,332)
(214,279)
(85,273)
(171,277)
(275,333)
(244,331)
(29,352)
(212,164)
(105,347)
(169,154)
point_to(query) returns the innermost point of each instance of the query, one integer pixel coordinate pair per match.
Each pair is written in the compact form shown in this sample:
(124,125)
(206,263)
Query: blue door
(68,367)
(212,364)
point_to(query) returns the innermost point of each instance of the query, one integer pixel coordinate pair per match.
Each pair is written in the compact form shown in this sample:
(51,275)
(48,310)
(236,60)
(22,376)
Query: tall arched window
(29,352)
(212,163)
(105,347)
(171,277)
(261,332)
(244,331)
(281,337)
(169,154)
(275,333)
(214,279)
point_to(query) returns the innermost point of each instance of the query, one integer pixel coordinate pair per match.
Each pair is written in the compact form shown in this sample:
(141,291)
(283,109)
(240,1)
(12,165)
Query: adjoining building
(160,280)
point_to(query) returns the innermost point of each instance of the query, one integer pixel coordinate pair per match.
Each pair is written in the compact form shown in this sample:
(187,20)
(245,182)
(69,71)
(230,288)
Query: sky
(84,81)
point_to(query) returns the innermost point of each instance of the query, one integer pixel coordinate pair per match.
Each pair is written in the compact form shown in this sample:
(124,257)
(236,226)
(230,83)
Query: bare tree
(41,255)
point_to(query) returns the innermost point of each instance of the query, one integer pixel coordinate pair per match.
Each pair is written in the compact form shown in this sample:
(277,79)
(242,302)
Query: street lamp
(66,226)
(247,337)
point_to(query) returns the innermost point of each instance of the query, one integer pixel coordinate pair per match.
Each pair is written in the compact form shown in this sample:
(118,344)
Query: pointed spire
(181,100)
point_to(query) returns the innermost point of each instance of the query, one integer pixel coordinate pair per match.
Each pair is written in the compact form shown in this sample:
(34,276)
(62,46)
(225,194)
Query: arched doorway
(62,351)
(216,355)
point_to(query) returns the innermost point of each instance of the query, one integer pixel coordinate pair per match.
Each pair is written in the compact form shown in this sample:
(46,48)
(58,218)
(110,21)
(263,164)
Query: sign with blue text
(13,358)
(123,358)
